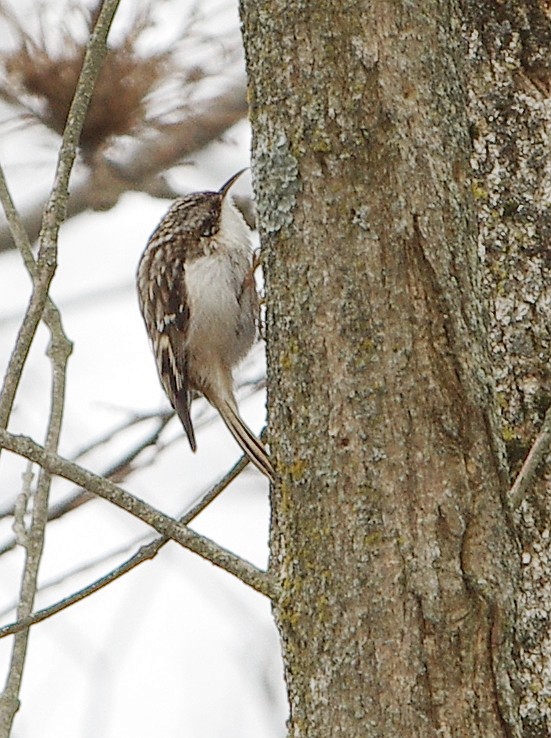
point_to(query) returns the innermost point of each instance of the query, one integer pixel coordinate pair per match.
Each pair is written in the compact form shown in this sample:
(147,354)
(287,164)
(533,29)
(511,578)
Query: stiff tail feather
(250,444)
(181,405)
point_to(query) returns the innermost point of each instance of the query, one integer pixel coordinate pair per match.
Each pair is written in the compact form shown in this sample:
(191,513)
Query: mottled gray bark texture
(510,117)
(386,336)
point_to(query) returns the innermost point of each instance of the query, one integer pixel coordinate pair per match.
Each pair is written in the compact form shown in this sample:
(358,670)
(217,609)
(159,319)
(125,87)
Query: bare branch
(122,467)
(145,553)
(116,472)
(536,455)
(55,209)
(51,314)
(59,349)
(23,343)
(96,49)
(22,505)
(259,580)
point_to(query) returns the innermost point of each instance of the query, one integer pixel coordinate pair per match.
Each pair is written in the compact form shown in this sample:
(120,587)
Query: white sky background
(176,647)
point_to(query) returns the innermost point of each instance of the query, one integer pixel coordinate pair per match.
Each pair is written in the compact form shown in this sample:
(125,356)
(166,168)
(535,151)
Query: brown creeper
(199,302)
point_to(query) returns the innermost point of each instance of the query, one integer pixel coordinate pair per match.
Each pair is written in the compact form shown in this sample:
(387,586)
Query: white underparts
(221,327)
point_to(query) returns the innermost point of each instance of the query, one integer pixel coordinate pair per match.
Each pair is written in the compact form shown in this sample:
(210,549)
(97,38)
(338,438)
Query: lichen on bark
(509,110)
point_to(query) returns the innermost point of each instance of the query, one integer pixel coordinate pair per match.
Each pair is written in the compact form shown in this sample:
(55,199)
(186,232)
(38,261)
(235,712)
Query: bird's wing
(166,314)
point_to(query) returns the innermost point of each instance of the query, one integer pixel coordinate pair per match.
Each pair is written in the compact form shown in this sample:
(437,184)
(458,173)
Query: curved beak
(228,185)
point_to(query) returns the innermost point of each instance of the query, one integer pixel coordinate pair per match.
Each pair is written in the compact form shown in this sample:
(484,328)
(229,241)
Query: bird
(198,298)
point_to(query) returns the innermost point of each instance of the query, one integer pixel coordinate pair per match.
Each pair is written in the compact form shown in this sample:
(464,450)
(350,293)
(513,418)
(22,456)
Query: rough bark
(390,534)
(510,120)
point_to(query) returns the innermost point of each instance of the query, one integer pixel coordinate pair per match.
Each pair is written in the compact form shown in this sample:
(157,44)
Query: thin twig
(111,434)
(56,207)
(119,470)
(23,342)
(116,472)
(22,505)
(15,225)
(59,349)
(51,314)
(34,309)
(259,580)
(536,455)
(126,549)
(146,552)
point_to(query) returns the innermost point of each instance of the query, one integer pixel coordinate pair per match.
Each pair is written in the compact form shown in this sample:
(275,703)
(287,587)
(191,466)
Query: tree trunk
(390,534)
(510,119)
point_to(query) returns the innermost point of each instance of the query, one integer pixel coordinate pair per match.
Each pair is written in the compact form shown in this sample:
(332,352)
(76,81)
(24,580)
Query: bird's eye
(209,228)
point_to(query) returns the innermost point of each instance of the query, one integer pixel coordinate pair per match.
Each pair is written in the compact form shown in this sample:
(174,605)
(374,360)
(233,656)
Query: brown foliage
(118,102)
(41,80)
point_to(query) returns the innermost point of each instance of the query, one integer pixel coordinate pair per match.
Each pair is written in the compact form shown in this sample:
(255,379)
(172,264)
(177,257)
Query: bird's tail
(250,444)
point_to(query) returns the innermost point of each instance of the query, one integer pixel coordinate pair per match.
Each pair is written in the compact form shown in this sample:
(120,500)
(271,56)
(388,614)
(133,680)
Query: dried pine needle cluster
(40,82)
(117,105)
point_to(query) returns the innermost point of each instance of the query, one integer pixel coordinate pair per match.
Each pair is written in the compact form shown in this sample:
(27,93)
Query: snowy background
(176,647)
